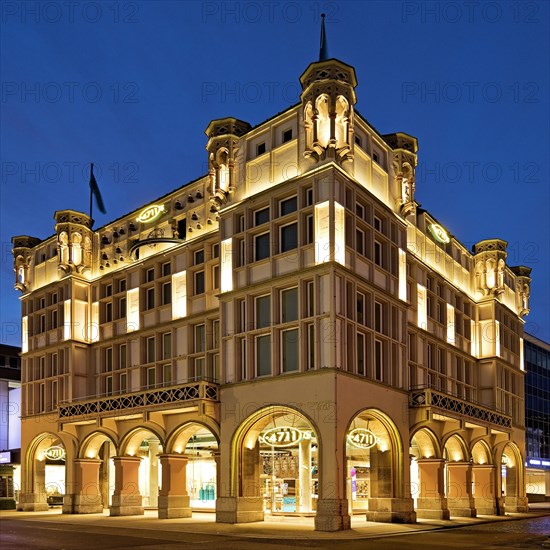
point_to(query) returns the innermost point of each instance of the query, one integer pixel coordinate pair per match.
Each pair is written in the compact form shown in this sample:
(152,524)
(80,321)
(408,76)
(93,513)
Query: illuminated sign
(283,437)
(151,213)
(439,233)
(5,457)
(363,438)
(55,453)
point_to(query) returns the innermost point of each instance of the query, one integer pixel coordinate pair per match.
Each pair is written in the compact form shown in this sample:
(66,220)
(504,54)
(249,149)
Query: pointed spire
(323,51)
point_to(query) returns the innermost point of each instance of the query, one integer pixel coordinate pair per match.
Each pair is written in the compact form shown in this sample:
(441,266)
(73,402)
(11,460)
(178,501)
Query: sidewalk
(284,527)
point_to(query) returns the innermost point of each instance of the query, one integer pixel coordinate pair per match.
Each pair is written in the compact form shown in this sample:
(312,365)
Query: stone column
(127,499)
(431,503)
(36,500)
(459,490)
(332,504)
(515,501)
(153,473)
(304,465)
(173,500)
(86,498)
(247,505)
(383,506)
(484,489)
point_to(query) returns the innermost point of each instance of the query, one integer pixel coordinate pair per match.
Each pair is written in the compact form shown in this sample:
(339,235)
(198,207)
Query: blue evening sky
(131,86)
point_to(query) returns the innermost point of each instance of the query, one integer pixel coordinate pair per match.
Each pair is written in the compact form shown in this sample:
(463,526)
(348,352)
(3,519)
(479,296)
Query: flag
(94,190)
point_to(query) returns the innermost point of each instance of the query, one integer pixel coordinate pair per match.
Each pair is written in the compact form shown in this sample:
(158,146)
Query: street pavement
(55,531)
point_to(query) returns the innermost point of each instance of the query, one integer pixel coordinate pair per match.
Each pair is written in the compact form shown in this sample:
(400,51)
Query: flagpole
(91,173)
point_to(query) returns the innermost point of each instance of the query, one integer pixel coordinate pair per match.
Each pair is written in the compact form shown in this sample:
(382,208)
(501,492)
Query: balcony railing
(454,406)
(131,403)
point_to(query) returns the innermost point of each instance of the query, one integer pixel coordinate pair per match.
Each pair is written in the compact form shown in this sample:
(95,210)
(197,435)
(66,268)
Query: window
(261,216)
(42,398)
(54,364)
(358,140)
(108,312)
(289,237)
(151,377)
(289,305)
(261,246)
(377,223)
(360,210)
(311,346)
(122,356)
(182,228)
(167,374)
(167,345)
(360,241)
(216,276)
(199,257)
(263,355)
(150,301)
(290,350)
(216,251)
(375,157)
(287,135)
(199,282)
(216,334)
(121,308)
(260,149)
(378,253)
(378,360)
(54,319)
(288,206)
(109,290)
(42,323)
(109,385)
(360,308)
(309,229)
(150,275)
(150,349)
(309,196)
(378,316)
(200,340)
(166,269)
(54,394)
(122,285)
(199,365)
(310,297)
(123,383)
(166,293)
(263,311)
(108,359)
(360,353)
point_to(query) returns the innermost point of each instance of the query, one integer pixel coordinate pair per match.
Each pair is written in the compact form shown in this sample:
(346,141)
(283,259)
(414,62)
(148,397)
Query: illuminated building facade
(537,418)
(290,333)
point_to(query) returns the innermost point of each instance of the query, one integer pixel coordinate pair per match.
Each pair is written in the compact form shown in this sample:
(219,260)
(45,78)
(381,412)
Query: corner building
(289,334)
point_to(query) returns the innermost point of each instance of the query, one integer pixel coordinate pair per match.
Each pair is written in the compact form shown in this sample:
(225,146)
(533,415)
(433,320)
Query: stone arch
(481,452)
(91,444)
(177,440)
(455,449)
(511,477)
(374,466)
(131,441)
(425,444)
(257,445)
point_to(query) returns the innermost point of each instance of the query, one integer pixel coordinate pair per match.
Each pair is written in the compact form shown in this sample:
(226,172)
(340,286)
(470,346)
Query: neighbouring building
(10,424)
(537,418)
(289,333)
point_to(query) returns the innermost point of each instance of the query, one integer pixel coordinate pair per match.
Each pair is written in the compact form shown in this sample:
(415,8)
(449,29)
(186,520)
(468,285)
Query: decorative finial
(323,51)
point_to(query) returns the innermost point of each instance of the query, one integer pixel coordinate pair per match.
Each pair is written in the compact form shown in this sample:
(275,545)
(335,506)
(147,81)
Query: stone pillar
(383,506)
(431,503)
(459,490)
(332,504)
(126,497)
(86,498)
(173,500)
(247,505)
(153,473)
(484,489)
(515,501)
(36,500)
(304,465)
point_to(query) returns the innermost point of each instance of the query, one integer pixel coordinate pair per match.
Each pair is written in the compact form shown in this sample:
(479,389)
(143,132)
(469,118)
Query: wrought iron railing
(146,399)
(454,406)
